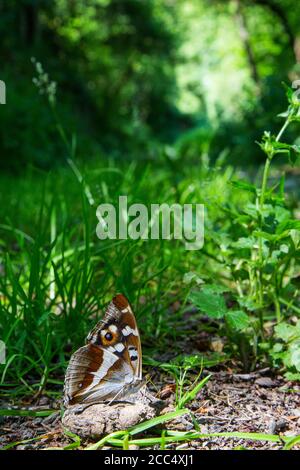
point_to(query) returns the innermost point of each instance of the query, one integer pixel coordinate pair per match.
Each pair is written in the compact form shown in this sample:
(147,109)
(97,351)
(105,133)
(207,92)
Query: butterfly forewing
(111,360)
(130,334)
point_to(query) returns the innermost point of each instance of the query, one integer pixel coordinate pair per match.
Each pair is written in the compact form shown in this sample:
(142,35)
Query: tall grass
(56,275)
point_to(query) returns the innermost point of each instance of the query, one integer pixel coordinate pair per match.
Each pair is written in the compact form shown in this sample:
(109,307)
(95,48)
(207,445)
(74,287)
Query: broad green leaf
(292,376)
(192,277)
(288,225)
(237,319)
(287,332)
(209,302)
(251,210)
(295,355)
(244,242)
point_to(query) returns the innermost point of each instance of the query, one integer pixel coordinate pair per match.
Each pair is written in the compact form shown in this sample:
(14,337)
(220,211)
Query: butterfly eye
(108,336)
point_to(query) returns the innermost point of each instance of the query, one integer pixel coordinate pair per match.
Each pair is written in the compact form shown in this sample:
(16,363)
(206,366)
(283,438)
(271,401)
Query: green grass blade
(156,421)
(16,443)
(105,439)
(177,436)
(291,442)
(189,396)
(34,413)
(76,440)
(239,435)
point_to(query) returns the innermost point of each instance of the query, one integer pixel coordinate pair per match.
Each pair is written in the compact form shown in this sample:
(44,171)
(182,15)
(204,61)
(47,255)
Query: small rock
(38,421)
(51,418)
(43,401)
(27,435)
(217,345)
(277,426)
(169,409)
(182,446)
(265,382)
(243,377)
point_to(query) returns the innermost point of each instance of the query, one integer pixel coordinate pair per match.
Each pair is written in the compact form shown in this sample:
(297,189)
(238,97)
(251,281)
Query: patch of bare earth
(228,403)
(245,403)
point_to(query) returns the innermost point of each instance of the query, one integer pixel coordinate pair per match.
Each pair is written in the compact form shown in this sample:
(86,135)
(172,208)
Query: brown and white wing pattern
(110,363)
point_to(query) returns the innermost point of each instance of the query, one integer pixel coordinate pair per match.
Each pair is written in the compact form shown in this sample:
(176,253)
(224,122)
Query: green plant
(286,350)
(258,248)
(182,368)
(269,234)
(276,230)
(235,323)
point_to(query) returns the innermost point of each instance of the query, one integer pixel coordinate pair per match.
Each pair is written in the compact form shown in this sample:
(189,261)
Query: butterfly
(110,364)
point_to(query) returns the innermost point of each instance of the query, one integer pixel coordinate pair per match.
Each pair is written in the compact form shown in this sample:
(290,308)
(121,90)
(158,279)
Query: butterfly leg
(81,408)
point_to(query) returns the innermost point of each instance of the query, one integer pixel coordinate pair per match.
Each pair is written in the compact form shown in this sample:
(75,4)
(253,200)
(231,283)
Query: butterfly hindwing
(111,360)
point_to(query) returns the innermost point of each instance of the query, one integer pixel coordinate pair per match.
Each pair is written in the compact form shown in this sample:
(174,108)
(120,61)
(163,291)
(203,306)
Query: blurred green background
(144,79)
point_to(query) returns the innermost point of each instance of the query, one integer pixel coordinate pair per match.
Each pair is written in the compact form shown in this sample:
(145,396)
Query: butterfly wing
(111,360)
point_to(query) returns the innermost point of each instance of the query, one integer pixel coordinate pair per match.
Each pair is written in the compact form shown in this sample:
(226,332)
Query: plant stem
(284,127)
(277,308)
(264,186)
(264,183)
(267,167)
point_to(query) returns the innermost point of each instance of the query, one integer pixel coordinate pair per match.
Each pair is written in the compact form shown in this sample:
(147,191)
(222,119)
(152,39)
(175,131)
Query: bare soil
(256,402)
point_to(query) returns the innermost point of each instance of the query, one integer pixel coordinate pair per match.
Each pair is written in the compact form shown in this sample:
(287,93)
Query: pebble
(265,382)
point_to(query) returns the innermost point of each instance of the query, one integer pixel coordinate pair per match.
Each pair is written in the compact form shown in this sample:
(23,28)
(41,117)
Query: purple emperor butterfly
(110,364)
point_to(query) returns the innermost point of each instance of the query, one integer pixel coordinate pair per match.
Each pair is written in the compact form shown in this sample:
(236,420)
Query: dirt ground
(255,402)
(246,403)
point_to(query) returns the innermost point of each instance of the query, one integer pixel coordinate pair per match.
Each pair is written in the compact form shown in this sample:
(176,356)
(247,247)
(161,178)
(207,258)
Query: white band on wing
(129,331)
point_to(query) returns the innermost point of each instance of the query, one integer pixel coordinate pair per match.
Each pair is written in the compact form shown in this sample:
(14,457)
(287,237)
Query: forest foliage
(136,76)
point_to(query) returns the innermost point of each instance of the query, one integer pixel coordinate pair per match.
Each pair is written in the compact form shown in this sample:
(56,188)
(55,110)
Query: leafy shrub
(286,350)
(259,246)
